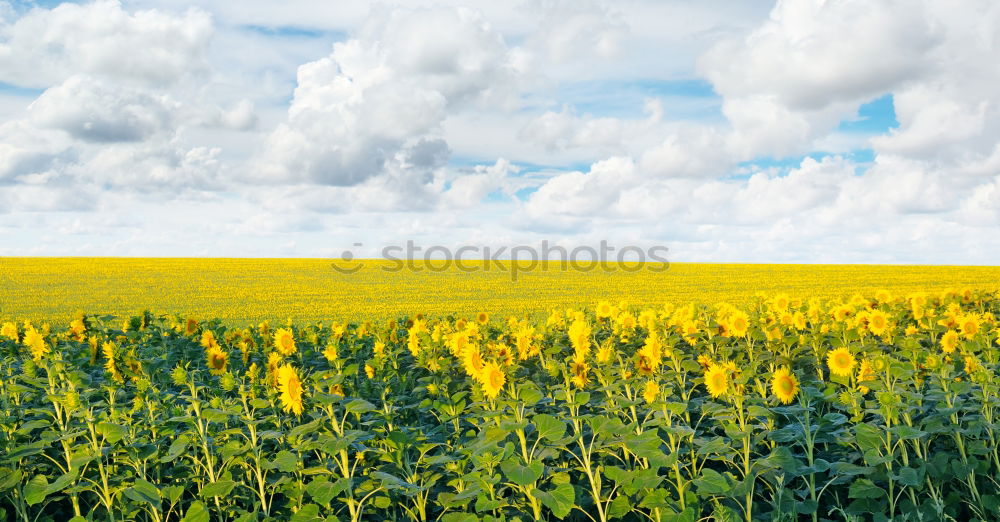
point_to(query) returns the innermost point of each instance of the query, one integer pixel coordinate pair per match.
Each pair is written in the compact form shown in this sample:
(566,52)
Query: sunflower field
(873,407)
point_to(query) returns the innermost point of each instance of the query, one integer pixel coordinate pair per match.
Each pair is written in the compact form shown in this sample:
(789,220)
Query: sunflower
(108,349)
(413,344)
(330,353)
(525,347)
(739,324)
(784,385)
(503,354)
(878,322)
(76,329)
(9,331)
(273,363)
(604,310)
(482,318)
(379,349)
(604,353)
(842,313)
(208,340)
(370,371)
(217,360)
(580,369)
(648,357)
(579,337)
(473,361)
(969,325)
(840,361)
(651,392)
(284,341)
(493,380)
(972,365)
(781,302)
(949,341)
(36,343)
(865,373)
(799,320)
(716,380)
(190,326)
(883,296)
(291,389)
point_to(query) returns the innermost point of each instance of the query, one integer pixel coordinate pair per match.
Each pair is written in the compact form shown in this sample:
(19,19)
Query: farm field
(239,291)
(879,406)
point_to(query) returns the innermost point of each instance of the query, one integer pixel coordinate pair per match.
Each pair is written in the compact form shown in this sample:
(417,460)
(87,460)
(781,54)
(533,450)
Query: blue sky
(769,131)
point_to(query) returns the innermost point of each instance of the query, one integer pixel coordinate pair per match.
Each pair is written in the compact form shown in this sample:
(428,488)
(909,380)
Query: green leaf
(621,476)
(27,427)
(459,517)
(392,481)
(868,437)
(658,498)
(619,507)
(549,427)
(529,393)
(322,491)
(196,513)
(36,489)
(308,512)
(864,488)
(173,493)
(712,483)
(519,474)
(359,406)
(219,488)
(111,432)
(10,478)
(61,483)
(176,448)
(143,491)
(910,477)
(560,500)
(304,429)
(285,461)
(846,468)
(716,445)
(906,432)
(483,503)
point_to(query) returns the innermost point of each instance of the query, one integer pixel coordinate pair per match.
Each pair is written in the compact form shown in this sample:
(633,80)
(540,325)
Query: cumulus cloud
(45,46)
(363,129)
(375,105)
(577,29)
(812,63)
(93,110)
(120,91)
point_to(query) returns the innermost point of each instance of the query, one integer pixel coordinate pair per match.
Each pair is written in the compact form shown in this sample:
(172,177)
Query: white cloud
(45,46)
(793,78)
(96,111)
(376,104)
(267,129)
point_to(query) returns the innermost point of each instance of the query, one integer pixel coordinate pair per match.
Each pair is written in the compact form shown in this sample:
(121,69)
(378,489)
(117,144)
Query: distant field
(248,290)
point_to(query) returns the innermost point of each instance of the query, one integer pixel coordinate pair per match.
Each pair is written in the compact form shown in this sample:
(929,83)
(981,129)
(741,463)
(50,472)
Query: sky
(814,131)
